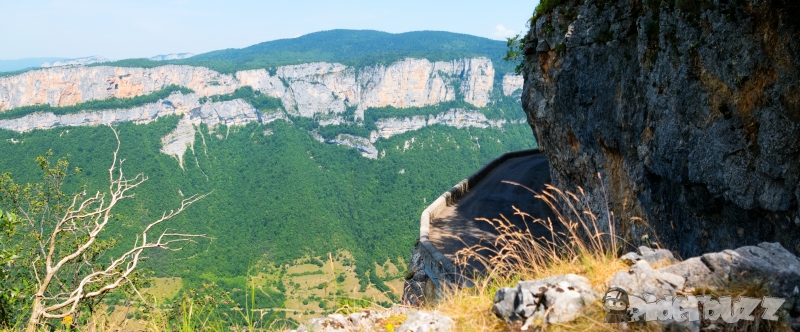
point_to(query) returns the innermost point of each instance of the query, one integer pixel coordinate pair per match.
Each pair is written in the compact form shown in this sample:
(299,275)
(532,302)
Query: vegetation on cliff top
(355,48)
(277,192)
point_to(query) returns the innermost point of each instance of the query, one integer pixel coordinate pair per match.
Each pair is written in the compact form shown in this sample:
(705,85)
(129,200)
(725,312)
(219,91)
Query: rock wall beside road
(689,111)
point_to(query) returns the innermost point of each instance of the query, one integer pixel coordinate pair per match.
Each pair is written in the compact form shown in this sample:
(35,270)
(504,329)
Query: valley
(300,161)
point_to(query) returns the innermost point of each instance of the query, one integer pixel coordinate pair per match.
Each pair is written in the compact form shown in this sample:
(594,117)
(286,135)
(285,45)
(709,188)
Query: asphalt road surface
(456,228)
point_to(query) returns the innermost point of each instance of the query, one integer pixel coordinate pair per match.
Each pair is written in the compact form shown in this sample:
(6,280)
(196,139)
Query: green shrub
(544,7)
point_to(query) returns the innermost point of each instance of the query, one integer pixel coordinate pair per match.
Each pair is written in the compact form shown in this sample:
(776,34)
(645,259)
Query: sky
(120,29)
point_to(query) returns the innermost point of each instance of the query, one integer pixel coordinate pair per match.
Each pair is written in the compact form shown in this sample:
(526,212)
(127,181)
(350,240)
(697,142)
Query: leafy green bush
(544,7)
(253,97)
(330,132)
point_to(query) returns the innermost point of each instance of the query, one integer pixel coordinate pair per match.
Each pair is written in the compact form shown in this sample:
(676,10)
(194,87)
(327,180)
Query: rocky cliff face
(689,111)
(456,117)
(320,90)
(230,113)
(305,90)
(512,83)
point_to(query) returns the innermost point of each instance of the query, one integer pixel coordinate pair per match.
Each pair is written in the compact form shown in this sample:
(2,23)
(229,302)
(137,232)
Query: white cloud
(500,31)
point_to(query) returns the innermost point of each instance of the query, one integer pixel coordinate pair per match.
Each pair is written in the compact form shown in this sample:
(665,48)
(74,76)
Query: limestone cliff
(458,118)
(690,111)
(229,113)
(512,83)
(305,89)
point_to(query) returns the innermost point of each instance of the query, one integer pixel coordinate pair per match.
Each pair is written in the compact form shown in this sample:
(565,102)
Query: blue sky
(118,29)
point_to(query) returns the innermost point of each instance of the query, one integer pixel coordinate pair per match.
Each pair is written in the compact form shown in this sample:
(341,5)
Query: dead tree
(66,261)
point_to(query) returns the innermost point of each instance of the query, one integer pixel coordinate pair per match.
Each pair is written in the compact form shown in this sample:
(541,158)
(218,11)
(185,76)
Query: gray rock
(413,293)
(642,279)
(768,269)
(692,122)
(359,321)
(505,303)
(555,299)
(424,321)
(652,256)
(542,46)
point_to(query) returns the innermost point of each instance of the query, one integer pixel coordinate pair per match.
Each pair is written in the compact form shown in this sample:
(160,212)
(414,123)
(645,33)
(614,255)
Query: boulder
(642,279)
(555,299)
(373,320)
(652,256)
(767,269)
(359,321)
(424,321)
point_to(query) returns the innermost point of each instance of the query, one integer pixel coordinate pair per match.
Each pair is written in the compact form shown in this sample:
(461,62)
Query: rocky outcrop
(175,104)
(764,271)
(375,320)
(512,83)
(456,117)
(228,113)
(557,299)
(306,89)
(389,127)
(68,86)
(362,144)
(689,111)
(423,321)
(235,113)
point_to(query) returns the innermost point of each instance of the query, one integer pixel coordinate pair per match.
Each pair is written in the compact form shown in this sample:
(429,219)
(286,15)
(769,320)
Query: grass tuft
(580,242)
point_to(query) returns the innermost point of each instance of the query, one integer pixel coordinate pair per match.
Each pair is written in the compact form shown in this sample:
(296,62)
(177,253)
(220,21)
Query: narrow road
(456,228)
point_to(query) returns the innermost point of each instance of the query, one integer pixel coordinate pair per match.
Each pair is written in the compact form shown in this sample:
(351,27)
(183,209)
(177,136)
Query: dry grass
(579,243)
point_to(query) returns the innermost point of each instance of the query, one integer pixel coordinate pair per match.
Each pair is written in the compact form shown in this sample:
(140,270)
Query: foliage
(9,297)
(269,195)
(94,105)
(500,108)
(16,72)
(544,7)
(131,63)
(350,47)
(62,252)
(355,48)
(253,97)
(514,54)
(355,129)
(576,243)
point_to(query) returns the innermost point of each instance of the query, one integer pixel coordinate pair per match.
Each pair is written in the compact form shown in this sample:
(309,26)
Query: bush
(544,7)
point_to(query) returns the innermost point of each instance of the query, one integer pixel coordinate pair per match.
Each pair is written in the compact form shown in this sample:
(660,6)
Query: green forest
(357,48)
(276,193)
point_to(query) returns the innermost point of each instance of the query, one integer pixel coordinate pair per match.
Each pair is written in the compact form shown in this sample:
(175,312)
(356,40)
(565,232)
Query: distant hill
(350,47)
(20,64)
(77,61)
(171,56)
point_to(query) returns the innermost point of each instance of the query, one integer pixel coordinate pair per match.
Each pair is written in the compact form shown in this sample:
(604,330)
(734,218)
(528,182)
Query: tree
(516,45)
(8,223)
(65,237)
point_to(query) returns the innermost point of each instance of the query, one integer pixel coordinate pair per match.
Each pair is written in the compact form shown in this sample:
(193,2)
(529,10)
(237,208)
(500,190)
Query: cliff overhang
(690,113)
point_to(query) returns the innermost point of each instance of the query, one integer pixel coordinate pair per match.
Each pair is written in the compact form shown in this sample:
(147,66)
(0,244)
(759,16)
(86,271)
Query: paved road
(490,198)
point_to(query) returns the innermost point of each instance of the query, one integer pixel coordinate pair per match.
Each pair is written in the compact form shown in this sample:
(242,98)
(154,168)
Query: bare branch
(84,219)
